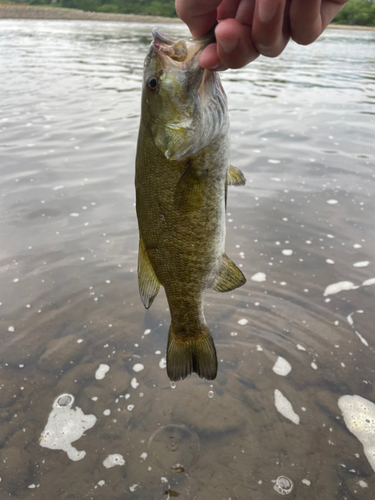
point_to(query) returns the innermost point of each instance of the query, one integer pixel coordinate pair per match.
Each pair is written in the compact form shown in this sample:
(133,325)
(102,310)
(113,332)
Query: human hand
(248,28)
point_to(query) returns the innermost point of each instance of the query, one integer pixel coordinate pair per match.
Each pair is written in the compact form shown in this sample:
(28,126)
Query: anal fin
(235,177)
(148,283)
(229,276)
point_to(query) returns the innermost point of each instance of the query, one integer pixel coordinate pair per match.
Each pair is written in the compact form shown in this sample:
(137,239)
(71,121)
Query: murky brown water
(303,133)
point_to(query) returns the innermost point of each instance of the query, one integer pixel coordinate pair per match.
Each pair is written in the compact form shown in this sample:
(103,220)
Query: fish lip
(160,37)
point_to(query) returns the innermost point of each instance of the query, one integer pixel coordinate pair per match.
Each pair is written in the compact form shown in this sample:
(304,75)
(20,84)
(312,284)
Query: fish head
(181,100)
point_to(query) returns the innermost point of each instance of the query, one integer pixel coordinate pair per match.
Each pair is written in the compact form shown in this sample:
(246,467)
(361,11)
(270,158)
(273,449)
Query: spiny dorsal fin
(235,177)
(147,281)
(229,277)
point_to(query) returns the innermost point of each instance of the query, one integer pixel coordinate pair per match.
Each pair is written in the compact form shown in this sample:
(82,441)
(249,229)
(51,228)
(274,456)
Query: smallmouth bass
(182,173)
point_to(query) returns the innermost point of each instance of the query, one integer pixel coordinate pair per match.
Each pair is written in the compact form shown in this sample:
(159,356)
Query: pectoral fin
(235,177)
(229,277)
(147,281)
(189,194)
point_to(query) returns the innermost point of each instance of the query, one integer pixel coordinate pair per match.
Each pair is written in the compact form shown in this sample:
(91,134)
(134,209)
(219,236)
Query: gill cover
(188,108)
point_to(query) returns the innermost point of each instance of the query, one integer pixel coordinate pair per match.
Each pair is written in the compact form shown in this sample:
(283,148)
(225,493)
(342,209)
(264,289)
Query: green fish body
(182,172)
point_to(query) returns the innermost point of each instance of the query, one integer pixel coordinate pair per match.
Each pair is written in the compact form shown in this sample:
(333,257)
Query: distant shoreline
(12,11)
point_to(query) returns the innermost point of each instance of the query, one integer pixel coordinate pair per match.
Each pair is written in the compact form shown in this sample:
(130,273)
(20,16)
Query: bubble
(283,485)
(113,460)
(65,400)
(210,394)
(173,385)
(163,363)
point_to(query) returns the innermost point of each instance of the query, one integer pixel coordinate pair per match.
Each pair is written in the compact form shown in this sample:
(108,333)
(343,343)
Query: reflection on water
(302,130)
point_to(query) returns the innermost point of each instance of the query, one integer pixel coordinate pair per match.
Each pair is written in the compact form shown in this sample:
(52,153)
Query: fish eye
(152,84)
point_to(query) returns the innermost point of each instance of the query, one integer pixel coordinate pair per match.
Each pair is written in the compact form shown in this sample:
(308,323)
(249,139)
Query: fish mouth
(160,37)
(180,50)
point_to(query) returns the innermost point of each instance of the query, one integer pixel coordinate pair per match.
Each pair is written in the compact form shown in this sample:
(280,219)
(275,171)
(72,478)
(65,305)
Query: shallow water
(303,130)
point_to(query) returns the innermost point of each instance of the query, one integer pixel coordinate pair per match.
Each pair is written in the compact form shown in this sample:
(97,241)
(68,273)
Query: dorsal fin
(235,177)
(229,276)
(147,281)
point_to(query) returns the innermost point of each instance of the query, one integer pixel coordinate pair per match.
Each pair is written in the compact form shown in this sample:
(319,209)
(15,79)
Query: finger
(199,15)
(234,44)
(245,12)
(305,21)
(268,35)
(210,59)
(228,9)
(329,9)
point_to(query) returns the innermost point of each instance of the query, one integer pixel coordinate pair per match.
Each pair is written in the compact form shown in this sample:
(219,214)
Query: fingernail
(228,45)
(267,10)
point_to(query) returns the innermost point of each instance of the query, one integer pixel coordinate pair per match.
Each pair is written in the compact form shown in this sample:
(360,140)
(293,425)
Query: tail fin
(191,354)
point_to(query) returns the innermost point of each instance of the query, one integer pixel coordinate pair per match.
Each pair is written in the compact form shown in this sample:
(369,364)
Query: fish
(182,174)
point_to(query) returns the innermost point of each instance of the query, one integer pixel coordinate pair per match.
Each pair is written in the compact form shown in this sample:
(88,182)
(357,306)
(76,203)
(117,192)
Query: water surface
(302,130)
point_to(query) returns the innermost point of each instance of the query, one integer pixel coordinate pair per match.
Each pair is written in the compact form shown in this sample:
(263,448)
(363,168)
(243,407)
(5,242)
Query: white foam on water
(144,455)
(284,407)
(134,487)
(338,287)
(134,383)
(363,263)
(287,251)
(306,481)
(314,365)
(359,418)
(163,363)
(138,367)
(64,426)
(351,323)
(362,339)
(282,367)
(369,282)
(113,460)
(346,285)
(243,321)
(258,277)
(362,483)
(300,347)
(101,371)
(332,202)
